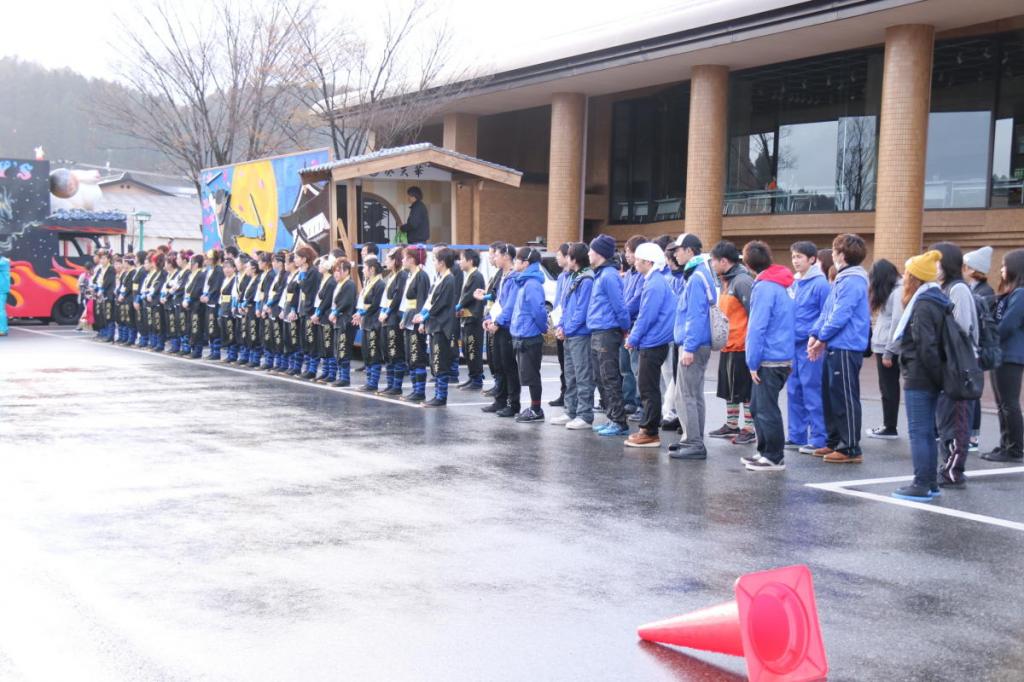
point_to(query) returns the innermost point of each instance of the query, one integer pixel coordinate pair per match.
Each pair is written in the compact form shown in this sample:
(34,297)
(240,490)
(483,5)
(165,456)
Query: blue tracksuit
(561,284)
(845,321)
(576,303)
(507,298)
(770,323)
(529,316)
(692,326)
(632,287)
(804,399)
(607,308)
(657,313)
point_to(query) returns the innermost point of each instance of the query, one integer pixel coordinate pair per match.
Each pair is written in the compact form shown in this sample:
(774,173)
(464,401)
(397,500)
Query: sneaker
(973,446)
(807,449)
(882,433)
(629,408)
(836,457)
(822,452)
(681,451)
(745,438)
(635,417)
(764,464)
(725,431)
(506,412)
(950,483)
(998,456)
(641,439)
(435,402)
(792,446)
(530,415)
(597,427)
(560,420)
(748,459)
(935,491)
(491,392)
(578,424)
(613,429)
(670,424)
(913,492)
(557,402)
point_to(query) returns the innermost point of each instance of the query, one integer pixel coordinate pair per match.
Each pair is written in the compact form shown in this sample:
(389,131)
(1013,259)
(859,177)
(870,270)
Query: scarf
(908,311)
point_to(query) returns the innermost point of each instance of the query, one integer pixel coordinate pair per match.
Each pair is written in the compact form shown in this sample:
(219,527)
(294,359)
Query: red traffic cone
(772,623)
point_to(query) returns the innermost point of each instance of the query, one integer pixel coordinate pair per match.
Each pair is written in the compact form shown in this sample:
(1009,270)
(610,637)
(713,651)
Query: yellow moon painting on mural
(254,200)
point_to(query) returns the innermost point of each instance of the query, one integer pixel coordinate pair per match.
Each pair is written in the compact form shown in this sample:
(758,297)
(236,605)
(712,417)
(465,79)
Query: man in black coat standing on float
(417,228)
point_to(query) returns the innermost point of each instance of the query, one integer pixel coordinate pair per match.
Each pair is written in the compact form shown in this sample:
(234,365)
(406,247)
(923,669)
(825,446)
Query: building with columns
(901,120)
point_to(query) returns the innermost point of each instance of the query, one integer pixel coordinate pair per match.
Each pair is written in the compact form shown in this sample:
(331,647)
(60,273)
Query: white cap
(649,251)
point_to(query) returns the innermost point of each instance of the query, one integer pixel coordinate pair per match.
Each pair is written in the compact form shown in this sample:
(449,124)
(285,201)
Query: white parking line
(843,488)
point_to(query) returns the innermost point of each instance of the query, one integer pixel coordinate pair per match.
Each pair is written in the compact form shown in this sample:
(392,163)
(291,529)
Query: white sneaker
(764,464)
(560,420)
(577,424)
(807,450)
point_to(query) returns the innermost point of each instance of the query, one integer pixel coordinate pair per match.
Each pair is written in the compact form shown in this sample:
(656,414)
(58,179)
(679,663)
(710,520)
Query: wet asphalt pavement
(162,519)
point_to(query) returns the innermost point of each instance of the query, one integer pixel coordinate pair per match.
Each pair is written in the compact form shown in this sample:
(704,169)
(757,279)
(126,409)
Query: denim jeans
(579,379)
(924,451)
(764,408)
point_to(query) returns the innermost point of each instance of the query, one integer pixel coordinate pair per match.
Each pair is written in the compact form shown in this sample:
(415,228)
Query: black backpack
(962,377)
(990,354)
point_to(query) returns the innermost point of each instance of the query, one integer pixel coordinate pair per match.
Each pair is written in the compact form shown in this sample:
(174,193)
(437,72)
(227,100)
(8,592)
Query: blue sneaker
(913,493)
(613,429)
(597,427)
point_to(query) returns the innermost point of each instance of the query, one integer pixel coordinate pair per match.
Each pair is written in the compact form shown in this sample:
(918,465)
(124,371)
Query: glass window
(648,166)
(803,135)
(960,123)
(1008,137)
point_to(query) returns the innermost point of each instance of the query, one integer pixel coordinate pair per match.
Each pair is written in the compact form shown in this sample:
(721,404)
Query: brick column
(565,169)
(460,135)
(706,152)
(902,141)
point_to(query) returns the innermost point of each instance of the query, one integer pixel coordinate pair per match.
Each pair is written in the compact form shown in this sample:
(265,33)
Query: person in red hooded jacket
(770,350)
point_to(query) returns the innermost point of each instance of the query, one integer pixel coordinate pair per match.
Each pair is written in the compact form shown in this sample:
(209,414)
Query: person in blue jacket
(608,320)
(770,351)
(632,286)
(497,323)
(562,259)
(5,288)
(841,335)
(529,322)
(573,332)
(1006,378)
(804,399)
(692,334)
(651,337)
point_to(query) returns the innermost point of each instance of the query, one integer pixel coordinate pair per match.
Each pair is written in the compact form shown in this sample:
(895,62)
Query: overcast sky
(78,33)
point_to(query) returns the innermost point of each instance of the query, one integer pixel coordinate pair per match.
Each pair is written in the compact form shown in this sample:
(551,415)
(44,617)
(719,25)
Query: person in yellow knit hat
(919,334)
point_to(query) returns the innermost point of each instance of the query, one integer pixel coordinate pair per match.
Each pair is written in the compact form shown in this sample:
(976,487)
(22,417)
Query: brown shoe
(840,458)
(823,452)
(641,439)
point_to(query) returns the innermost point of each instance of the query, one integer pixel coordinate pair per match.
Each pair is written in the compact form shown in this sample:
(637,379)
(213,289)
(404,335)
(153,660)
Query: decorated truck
(48,251)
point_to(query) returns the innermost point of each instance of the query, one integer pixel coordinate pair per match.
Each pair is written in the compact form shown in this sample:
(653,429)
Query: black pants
(764,407)
(472,346)
(604,348)
(415,349)
(529,352)
(840,387)
(507,369)
(648,383)
(953,424)
(1007,382)
(889,386)
(561,366)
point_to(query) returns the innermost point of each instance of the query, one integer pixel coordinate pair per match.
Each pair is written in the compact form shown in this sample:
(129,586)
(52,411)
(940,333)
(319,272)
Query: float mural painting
(262,205)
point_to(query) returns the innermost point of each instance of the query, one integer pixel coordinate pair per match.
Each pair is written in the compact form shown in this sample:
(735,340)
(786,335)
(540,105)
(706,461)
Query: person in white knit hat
(976,267)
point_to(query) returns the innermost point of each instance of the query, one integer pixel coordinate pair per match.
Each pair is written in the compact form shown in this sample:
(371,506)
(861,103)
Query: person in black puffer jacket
(919,332)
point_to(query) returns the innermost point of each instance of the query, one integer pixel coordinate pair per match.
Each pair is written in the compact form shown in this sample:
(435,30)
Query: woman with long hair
(919,333)
(417,288)
(367,318)
(168,314)
(885,297)
(391,320)
(1007,377)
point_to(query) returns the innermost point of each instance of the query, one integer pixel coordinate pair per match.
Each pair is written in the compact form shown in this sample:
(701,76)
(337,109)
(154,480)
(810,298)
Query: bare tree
(379,92)
(209,88)
(855,163)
